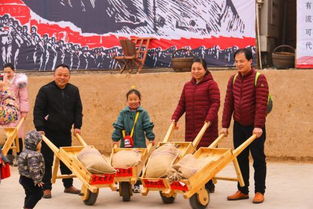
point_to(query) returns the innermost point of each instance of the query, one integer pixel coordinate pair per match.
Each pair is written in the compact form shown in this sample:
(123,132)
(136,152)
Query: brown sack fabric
(92,159)
(126,158)
(188,166)
(161,161)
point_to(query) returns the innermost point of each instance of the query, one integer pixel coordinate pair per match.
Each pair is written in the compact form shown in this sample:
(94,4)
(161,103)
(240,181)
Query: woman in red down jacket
(200,100)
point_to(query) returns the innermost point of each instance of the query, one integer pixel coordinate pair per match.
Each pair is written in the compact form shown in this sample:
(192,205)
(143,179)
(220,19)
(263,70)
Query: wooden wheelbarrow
(91,183)
(12,139)
(161,184)
(193,188)
(129,176)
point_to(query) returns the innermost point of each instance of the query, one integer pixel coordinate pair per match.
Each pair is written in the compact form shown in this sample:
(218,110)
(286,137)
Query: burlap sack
(92,159)
(126,158)
(188,166)
(161,161)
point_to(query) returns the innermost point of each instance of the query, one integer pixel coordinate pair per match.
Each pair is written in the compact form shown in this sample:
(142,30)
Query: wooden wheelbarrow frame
(193,188)
(12,138)
(129,176)
(90,182)
(161,184)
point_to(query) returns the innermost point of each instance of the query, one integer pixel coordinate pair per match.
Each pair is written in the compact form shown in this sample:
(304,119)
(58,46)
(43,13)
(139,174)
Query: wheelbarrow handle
(11,133)
(244,145)
(169,132)
(80,139)
(20,123)
(216,141)
(115,145)
(149,147)
(54,148)
(197,140)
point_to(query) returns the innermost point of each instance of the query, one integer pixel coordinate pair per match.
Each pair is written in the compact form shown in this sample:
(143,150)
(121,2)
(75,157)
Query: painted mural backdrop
(84,34)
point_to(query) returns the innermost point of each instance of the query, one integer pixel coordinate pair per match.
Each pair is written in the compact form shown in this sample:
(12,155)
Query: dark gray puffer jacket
(31,162)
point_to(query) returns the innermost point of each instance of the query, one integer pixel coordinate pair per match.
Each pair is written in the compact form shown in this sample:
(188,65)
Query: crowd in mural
(27,49)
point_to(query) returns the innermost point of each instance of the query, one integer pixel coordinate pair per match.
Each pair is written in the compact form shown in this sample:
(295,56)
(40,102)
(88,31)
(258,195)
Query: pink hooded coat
(18,86)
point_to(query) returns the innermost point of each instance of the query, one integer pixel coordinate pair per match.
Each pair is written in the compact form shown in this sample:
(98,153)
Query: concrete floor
(289,186)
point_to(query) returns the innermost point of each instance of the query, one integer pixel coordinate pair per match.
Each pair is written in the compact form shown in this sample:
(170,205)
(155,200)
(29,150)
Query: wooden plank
(238,172)
(66,176)
(225,178)
(216,141)
(56,164)
(12,138)
(10,135)
(169,132)
(199,136)
(239,149)
(81,140)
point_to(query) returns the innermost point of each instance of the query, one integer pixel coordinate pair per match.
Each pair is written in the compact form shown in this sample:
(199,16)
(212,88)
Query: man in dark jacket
(57,108)
(246,99)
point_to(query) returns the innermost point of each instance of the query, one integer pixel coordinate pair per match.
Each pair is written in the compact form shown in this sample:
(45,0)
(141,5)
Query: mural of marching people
(85,34)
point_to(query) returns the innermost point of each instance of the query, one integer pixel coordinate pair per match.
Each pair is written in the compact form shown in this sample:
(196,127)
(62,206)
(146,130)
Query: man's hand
(77,131)
(258,132)
(224,131)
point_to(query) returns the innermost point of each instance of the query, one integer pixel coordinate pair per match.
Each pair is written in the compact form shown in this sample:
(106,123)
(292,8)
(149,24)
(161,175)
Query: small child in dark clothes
(31,167)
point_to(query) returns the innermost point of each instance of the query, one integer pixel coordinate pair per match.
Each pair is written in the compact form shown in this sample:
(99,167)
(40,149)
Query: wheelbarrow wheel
(167,200)
(91,197)
(125,191)
(200,200)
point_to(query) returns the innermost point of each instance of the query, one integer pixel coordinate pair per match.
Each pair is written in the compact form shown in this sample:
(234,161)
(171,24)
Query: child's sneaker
(136,189)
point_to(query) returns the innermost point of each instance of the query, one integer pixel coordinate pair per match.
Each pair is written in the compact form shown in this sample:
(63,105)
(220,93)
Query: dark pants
(33,193)
(59,139)
(256,148)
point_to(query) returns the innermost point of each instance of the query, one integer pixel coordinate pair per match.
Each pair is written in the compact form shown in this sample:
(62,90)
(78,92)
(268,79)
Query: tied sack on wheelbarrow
(126,159)
(188,166)
(161,161)
(95,163)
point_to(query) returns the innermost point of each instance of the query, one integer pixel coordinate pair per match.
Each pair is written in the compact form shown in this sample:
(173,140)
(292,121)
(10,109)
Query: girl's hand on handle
(115,144)
(224,131)
(258,132)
